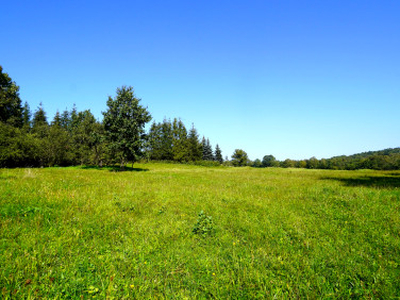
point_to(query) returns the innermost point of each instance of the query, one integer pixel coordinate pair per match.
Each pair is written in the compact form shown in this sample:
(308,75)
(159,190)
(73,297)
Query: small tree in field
(124,123)
(239,158)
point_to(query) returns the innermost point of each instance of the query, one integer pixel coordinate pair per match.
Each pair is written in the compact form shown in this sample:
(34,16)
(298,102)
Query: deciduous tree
(124,123)
(239,158)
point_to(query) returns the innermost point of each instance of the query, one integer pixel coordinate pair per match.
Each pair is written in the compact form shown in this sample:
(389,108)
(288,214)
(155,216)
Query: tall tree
(10,102)
(160,141)
(194,146)
(207,149)
(26,115)
(218,154)
(39,121)
(124,123)
(179,141)
(56,120)
(83,127)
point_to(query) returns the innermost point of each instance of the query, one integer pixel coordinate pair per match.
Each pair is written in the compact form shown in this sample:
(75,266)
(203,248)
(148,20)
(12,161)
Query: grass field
(283,233)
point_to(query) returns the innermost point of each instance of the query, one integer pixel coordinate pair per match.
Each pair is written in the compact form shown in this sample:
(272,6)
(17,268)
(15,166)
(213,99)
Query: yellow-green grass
(283,233)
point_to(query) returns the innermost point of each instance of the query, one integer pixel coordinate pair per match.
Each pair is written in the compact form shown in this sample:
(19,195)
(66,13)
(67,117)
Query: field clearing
(285,233)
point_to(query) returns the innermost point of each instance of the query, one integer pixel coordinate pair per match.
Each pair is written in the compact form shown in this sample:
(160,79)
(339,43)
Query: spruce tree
(218,154)
(209,151)
(26,116)
(194,145)
(56,120)
(180,141)
(39,118)
(203,147)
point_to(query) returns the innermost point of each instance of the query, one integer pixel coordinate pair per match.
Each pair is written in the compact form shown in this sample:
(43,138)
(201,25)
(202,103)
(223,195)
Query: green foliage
(239,158)
(161,141)
(207,149)
(288,163)
(10,102)
(204,225)
(124,123)
(269,161)
(26,116)
(17,147)
(39,119)
(257,163)
(180,141)
(312,163)
(218,154)
(195,149)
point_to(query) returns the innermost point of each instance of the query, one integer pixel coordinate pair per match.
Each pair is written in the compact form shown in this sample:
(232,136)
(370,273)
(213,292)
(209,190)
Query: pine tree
(26,115)
(194,146)
(39,118)
(203,147)
(180,141)
(218,154)
(207,149)
(57,119)
(66,120)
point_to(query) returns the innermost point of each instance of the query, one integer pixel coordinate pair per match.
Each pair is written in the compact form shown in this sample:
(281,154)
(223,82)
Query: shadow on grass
(385,182)
(114,169)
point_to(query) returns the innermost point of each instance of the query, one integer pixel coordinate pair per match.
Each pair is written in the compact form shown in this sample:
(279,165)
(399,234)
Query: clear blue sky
(293,79)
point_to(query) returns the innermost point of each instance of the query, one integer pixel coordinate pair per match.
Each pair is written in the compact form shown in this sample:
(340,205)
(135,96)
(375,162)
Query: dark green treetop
(218,154)
(207,149)
(194,146)
(269,161)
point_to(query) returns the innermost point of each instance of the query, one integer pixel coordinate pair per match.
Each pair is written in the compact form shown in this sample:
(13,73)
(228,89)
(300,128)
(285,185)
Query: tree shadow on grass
(388,181)
(114,169)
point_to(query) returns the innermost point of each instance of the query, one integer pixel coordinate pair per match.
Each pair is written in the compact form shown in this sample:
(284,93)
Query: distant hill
(387,159)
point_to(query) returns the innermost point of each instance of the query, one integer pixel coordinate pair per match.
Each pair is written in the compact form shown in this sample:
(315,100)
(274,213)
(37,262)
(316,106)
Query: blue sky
(293,79)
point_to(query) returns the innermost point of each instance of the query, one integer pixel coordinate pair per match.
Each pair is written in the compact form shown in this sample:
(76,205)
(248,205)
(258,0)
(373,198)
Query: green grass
(283,233)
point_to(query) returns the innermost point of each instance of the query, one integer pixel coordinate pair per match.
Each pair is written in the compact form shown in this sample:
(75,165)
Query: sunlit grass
(72,232)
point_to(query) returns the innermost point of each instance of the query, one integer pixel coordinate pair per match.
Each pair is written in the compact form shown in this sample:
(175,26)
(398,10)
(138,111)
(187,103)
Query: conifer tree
(180,141)
(56,120)
(194,145)
(26,116)
(39,118)
(218,154)
(207,149)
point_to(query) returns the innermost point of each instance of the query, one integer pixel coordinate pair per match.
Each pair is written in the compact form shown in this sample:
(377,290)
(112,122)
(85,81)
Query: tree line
(388,159)
(76,138)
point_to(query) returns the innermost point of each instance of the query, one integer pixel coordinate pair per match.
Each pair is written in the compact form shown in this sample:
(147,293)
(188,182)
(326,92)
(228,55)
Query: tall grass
(284,233)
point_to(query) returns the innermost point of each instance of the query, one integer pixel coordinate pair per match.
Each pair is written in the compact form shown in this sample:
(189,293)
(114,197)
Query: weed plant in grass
(284,233)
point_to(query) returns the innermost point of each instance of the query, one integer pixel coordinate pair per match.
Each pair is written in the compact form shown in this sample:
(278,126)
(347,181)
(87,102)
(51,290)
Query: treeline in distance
(76,138)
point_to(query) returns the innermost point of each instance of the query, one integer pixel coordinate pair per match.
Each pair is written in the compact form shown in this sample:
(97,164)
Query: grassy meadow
(81,232)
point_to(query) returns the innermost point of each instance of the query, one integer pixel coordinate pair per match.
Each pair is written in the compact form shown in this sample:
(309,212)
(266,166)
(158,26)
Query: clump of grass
(204,225)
